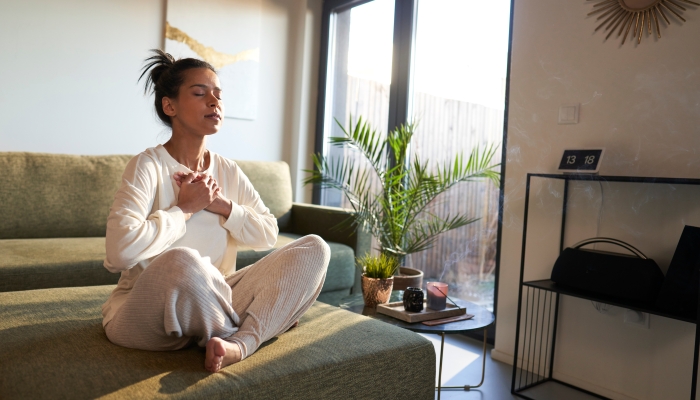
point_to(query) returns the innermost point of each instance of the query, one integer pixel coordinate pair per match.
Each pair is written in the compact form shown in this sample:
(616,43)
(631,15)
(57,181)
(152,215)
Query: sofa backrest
(273,182)
(57,195)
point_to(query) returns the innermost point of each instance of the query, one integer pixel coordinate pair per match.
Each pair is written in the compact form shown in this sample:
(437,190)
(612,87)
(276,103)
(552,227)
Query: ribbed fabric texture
(182,298)
(276,291)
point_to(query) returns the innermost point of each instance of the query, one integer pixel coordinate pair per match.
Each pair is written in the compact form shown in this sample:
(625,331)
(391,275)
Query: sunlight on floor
(456,358)
(462,366)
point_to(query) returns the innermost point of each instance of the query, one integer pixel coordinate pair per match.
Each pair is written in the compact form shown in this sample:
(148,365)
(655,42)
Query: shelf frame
(541,288)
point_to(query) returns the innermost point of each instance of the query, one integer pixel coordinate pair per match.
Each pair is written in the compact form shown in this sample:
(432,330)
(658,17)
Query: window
(448,74)
(359,74)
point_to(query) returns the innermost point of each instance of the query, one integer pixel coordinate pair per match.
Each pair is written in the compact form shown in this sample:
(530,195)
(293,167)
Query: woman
(174,227)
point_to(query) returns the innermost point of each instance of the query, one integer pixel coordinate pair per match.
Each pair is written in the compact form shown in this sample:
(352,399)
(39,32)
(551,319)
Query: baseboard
(501,356)
(532,365)
(508,359)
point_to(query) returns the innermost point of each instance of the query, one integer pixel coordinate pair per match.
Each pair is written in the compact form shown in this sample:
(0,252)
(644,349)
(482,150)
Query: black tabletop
(482,317)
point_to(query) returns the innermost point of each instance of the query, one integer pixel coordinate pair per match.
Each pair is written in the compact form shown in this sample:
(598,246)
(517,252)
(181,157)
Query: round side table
(482,320)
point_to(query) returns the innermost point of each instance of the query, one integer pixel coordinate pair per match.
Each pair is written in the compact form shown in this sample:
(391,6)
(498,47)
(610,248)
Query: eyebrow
(206,87)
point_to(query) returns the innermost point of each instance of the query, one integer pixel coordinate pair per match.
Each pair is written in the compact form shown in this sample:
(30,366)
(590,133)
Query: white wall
(68,75)
(69,70)
(642,103)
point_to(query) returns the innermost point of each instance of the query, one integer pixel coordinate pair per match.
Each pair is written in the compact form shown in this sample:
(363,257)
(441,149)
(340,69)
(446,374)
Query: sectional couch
(53,210)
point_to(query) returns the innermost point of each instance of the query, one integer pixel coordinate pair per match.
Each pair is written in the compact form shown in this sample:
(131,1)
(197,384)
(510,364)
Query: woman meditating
(172,232)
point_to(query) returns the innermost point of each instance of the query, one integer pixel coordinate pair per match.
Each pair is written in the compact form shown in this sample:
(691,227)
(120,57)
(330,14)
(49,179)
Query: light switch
(568,114)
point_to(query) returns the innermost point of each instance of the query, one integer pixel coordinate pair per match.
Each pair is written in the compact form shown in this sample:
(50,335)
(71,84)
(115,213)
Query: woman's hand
(196,192)
(220,205)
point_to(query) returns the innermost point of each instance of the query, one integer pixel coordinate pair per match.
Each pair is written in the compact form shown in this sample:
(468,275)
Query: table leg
(465,387)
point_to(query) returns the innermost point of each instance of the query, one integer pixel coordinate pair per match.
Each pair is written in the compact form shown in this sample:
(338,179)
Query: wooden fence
(445,128)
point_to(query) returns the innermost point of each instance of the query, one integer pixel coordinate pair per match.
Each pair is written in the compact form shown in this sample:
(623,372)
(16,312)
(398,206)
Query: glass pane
(359,74)
(458,103)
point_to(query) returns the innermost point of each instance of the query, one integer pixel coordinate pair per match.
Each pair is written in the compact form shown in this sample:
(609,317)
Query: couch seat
(53,346)
(48,263)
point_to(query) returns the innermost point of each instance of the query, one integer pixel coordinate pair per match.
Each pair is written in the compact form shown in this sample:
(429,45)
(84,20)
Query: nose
(214,102)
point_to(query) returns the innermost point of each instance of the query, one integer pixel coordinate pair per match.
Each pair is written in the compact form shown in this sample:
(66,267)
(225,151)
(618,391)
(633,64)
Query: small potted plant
(377,278)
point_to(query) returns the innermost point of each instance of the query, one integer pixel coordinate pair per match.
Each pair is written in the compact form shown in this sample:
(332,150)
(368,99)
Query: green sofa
(52,285)
(55,207)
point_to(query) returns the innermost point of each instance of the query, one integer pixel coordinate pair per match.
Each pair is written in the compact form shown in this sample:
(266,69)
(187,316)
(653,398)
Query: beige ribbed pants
(182,298)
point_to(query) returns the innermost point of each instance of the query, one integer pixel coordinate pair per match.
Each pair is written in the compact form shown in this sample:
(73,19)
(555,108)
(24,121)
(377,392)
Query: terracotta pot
(409,277)
(376,291)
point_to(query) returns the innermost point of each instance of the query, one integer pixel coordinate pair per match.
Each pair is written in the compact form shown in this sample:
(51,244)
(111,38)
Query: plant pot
(409,277)
(376,291)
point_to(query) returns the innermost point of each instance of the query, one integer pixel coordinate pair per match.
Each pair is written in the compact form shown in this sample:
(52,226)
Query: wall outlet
(637,318)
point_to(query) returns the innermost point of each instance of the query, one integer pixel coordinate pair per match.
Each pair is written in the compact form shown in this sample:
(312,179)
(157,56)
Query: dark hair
(165,76)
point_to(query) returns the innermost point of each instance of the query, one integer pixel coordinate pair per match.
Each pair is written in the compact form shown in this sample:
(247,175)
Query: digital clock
(581,161)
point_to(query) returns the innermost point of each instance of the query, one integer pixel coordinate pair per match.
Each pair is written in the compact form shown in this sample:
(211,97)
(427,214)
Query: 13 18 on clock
(581,161)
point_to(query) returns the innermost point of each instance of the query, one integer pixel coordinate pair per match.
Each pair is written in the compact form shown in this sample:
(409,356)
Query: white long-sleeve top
(144,220)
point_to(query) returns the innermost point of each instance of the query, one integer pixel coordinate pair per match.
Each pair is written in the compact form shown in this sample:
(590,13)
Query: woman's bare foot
(221,353)
(294,325)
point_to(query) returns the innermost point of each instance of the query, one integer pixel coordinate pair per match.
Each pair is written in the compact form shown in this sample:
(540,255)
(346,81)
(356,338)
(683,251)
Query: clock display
(581,160)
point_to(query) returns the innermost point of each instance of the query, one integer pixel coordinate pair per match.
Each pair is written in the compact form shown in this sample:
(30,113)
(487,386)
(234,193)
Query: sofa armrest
(324,221)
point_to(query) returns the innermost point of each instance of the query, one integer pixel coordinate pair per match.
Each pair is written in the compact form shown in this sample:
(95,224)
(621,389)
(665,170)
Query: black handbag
(622,276)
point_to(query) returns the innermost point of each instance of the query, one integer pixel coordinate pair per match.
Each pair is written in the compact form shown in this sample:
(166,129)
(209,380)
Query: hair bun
(155,66)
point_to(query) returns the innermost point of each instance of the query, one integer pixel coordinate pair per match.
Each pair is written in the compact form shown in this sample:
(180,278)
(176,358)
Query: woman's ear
(168,107)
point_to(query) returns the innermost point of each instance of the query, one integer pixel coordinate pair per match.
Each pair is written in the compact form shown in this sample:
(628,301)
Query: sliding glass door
(458,101)
(441,64)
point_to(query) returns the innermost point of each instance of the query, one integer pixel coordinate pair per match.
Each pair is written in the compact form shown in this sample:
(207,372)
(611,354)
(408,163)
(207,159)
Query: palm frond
(477,166)
(396,212)
(368,141)
(423,234)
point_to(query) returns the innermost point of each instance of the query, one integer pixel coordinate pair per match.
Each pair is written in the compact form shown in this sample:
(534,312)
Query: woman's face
(198,108)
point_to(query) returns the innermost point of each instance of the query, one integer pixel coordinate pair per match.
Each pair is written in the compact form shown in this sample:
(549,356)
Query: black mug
(413,299)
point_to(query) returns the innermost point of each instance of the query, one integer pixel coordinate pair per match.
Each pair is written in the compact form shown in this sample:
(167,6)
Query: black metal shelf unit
(533,361)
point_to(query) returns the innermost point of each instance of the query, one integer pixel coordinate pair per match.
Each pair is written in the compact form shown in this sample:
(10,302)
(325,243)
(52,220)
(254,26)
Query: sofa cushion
(341,268)
(56,195)
(67,262)
(48,263)
(273,183)
(333,297)
(59,348)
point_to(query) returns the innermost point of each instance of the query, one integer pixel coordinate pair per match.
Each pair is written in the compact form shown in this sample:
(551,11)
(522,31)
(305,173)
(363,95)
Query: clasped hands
(200,192)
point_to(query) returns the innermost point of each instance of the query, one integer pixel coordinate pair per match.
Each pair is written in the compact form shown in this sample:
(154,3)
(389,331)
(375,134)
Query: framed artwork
(225,33)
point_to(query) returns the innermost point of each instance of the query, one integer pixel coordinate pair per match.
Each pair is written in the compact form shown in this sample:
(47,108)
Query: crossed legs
(181,298)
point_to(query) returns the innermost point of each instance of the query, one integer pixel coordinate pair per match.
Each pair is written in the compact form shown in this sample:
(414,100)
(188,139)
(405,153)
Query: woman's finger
(188,178)
(178,176)
(210,181)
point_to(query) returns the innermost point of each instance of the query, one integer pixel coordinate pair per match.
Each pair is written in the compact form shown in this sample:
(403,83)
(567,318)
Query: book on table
(396,310)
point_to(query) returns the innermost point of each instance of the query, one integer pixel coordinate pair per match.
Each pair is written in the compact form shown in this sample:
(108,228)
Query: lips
(215,116)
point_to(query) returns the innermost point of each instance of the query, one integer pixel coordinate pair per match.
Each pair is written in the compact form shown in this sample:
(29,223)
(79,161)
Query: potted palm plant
(391,195)
(377,278)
